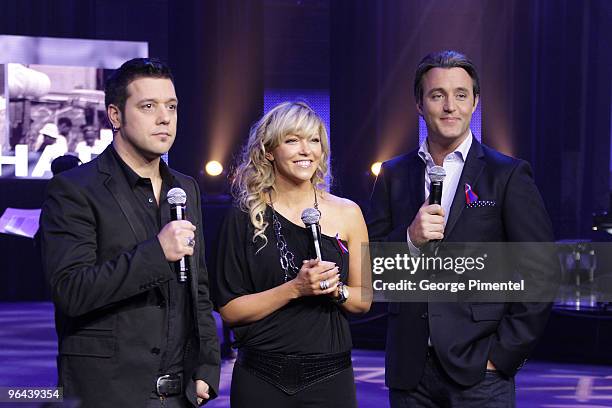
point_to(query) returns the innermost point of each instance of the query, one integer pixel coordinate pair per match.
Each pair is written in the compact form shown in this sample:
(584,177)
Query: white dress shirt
(453,165)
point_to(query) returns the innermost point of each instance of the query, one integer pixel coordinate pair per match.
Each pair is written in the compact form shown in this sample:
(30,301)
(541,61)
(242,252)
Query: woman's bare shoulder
(341,205)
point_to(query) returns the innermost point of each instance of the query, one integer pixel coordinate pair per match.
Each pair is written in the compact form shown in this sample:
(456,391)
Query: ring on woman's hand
(190,242)
(324,284)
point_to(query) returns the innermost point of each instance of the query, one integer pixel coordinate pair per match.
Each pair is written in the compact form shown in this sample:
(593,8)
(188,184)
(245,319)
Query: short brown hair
(444,59)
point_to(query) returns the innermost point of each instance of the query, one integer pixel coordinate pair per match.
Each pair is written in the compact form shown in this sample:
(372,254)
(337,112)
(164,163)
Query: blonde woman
(287,308)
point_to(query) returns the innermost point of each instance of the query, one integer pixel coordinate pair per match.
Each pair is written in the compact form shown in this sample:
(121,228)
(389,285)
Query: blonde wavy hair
(253,177)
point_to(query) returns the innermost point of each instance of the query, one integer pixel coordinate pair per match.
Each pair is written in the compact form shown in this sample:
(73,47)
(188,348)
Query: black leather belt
(293,373)
(169,384)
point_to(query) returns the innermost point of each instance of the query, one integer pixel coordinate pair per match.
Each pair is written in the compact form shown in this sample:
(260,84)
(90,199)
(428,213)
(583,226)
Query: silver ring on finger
(324,284)
(190,242)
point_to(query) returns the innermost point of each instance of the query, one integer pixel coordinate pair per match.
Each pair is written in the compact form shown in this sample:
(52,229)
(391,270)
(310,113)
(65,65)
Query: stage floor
(28,349)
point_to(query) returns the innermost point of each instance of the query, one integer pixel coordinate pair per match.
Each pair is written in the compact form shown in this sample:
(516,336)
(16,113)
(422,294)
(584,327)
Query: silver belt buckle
(158,380)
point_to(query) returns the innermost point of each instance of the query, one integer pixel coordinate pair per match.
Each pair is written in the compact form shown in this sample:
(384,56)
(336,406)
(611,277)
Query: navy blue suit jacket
(464,335)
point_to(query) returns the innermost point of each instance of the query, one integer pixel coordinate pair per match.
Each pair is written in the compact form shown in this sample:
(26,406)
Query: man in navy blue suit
(456,354)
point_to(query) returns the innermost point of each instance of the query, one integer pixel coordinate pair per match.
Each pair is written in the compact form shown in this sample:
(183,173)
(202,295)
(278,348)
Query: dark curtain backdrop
(544,65)
(216,50)
(545,79)
(133,20)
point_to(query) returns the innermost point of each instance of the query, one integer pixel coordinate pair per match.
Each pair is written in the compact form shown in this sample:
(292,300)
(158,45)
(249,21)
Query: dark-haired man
(456,354)
(90,145)
(64,126)
(130,333)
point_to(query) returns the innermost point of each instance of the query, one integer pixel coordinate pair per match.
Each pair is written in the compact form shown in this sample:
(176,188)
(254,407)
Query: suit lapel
(471,172)
(120,191)
(416,177)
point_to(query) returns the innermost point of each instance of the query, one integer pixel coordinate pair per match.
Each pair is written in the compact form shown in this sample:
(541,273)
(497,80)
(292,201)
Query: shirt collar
(133,179)
(461,151)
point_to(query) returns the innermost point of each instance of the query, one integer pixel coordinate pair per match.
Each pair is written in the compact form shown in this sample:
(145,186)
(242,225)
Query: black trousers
(437,390)
(249,391)
(176,401)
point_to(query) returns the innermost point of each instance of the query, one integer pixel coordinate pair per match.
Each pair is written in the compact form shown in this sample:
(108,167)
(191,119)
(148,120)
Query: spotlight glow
(213,168)
(376,168)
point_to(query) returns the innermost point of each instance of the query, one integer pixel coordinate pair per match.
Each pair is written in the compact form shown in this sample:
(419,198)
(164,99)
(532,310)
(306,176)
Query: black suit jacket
(464,335)
(107,278)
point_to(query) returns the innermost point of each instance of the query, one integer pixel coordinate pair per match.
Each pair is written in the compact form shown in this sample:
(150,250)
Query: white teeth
(303,163)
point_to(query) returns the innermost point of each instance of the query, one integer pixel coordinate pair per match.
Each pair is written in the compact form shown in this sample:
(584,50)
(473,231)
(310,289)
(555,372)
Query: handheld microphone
(436,177)
(310,218)
(177,198)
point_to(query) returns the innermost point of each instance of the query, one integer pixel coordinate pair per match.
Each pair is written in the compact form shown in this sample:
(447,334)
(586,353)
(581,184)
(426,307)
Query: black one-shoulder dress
(286,357)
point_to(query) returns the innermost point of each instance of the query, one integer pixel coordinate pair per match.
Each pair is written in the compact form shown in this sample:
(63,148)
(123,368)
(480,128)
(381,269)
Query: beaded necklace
(286,257)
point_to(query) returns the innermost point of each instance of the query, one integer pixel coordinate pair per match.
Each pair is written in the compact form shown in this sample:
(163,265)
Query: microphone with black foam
(177,198)
(436,178)
(310,218)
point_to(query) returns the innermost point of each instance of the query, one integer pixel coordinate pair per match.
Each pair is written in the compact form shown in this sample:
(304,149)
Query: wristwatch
(343,293)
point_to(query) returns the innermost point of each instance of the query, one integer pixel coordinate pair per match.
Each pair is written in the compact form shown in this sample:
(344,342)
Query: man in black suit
(456,354)
(130,333)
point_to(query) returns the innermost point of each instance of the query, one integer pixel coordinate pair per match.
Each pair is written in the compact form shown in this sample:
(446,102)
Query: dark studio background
(545,81)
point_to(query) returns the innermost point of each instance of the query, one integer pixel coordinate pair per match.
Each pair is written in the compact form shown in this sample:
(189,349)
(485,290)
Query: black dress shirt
(178,324)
